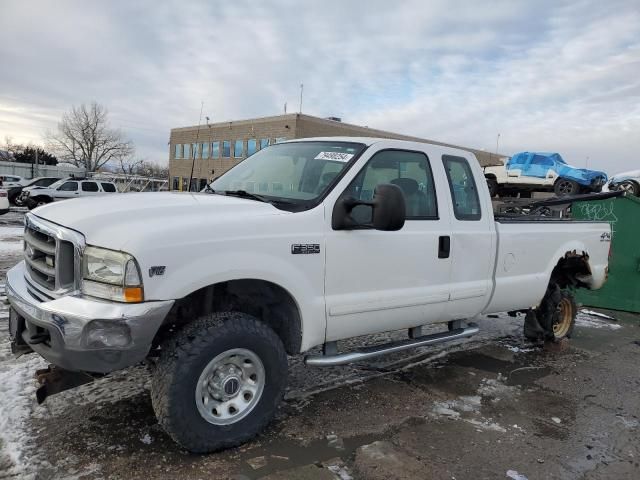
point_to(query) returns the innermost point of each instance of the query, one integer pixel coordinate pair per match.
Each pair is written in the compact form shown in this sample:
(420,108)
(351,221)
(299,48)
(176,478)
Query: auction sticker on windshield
(335,156)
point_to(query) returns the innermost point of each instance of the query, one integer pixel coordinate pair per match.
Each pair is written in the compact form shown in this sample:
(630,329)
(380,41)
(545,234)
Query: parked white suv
(67,188)
(9,181)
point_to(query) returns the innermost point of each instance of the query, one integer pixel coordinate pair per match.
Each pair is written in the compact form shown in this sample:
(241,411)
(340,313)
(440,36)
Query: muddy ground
(489,407)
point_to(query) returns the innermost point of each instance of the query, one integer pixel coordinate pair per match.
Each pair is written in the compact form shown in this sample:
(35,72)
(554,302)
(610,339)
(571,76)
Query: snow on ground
(590,321)
(17,395)
(10,240)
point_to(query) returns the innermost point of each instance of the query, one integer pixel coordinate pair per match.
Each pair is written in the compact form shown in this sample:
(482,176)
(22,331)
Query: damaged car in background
(541,172)
(626,181)
(301,245)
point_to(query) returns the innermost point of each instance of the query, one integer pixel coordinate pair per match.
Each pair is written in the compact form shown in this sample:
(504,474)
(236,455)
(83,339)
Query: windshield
(58,183)
(295,173)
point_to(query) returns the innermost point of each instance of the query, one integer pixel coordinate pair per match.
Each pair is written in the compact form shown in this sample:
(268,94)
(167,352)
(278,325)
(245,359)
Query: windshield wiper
(245,194)
(255,196)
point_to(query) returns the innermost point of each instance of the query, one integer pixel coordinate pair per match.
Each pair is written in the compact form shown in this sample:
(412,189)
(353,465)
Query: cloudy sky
(546,75)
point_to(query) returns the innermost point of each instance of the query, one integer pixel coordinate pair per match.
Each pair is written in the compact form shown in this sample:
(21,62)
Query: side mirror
(388,210)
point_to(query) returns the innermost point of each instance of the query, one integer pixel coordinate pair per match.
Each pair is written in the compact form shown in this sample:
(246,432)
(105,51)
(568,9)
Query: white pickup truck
(302,244)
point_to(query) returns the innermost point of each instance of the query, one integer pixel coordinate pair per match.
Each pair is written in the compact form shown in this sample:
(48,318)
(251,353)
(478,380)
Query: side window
(108,187)
(466,205)
(410,171)
(89,187)
(68,187)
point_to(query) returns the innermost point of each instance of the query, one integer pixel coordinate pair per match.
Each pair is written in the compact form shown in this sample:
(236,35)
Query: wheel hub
(230,386)
(225,382)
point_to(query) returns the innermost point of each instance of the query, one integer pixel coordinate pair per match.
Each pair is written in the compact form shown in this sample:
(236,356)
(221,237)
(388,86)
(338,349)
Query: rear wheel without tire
(564,187)
(219,381)
(554,319)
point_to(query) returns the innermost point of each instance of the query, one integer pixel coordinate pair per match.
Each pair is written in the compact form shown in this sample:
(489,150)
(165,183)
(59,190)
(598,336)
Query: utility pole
(285,108)
(497,141)
(194,150)
(301,90)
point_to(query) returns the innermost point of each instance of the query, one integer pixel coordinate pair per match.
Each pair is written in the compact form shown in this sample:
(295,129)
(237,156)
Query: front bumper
(68,331)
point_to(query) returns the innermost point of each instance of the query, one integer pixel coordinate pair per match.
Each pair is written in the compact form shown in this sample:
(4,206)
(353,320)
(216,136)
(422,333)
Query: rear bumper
(82,334)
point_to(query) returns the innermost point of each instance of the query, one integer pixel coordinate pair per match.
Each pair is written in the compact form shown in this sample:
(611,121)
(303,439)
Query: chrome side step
(377,350)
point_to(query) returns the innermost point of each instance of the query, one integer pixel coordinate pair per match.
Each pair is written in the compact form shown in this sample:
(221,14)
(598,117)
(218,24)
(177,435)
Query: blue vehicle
(536,171)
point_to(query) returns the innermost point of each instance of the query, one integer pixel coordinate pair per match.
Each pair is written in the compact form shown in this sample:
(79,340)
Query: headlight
(111,275)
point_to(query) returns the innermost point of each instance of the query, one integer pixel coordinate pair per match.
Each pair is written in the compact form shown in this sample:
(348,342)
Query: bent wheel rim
(563,318)
(230,386)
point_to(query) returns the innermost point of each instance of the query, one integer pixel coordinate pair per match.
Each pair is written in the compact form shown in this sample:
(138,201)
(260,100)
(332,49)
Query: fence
(132,183)
(29,170)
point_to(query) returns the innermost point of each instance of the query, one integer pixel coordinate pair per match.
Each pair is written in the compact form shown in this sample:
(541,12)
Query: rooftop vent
(335,119)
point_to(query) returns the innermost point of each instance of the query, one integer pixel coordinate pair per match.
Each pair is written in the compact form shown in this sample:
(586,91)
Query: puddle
(284,454)
(521,371)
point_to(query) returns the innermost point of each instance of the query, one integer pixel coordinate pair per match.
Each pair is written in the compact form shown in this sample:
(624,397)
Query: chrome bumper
(83,334)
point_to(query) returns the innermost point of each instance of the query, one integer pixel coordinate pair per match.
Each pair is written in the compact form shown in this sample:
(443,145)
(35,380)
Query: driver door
(380,281)
(67,190)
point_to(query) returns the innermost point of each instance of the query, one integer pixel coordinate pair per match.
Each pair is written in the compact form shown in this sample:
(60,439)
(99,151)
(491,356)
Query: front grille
(50,262)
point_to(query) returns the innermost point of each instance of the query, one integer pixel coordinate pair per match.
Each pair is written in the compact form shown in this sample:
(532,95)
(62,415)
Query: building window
(204,150)
(281,139)
(238,149)
(178,151)
(215,150)
(186,151)
(264,143)
(226,149)
(194,150)
(251,146)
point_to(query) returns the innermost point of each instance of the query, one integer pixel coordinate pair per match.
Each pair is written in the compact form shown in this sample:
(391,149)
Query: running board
(377,350)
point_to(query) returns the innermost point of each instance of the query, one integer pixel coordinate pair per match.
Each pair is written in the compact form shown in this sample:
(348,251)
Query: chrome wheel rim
(626,187)
(230,386)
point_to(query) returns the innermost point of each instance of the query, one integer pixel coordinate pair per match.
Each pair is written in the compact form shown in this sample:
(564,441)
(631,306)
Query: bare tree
(85,138)
(130,166)
(143,168)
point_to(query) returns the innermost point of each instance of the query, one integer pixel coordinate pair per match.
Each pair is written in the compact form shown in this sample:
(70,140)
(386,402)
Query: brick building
(220,146)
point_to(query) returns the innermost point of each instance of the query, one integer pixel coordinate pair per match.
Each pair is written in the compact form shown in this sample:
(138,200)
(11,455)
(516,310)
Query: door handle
(444,246)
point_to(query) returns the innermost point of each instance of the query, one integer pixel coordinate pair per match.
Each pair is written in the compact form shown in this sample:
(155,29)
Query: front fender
(302,278)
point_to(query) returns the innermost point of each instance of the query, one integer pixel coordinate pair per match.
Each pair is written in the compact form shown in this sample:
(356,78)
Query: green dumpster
(622,290)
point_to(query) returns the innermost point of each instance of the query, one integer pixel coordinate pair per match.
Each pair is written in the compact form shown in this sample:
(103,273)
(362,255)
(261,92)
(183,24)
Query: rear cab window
(462,185)
(89,187)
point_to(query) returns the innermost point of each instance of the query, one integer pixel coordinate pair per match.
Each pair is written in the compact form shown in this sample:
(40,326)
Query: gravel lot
(489,407)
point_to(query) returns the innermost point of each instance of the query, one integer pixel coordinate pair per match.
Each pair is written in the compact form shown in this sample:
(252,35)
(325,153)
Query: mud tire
(186,355)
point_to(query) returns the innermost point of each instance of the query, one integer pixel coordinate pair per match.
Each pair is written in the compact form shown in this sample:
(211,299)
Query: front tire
(630,186)
(219,381)
(492,183)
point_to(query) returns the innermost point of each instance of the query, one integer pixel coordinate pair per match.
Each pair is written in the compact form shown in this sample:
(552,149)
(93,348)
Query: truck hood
(111,220)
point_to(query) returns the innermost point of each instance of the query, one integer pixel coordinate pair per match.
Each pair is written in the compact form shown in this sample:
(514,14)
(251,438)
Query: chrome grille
(52,258)
(40,256)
